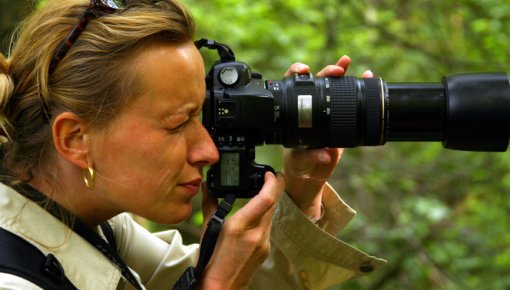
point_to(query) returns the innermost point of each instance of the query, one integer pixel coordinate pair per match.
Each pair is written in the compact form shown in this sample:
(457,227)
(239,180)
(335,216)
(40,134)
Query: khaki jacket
(303,255)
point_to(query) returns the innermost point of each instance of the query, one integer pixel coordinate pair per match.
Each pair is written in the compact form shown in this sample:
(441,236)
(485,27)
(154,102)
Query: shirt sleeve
(305,255)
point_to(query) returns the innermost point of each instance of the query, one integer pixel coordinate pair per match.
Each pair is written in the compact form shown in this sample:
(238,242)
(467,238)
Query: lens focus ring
(344,112)
(373,117)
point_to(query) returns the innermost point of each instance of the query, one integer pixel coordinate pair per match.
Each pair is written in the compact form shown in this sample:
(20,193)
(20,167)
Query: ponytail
(6,91)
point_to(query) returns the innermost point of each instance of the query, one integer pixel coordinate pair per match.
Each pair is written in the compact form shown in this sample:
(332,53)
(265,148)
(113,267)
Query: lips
(193,186)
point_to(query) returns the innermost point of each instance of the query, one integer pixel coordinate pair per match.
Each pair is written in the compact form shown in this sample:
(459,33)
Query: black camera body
(238,112)
(241,111)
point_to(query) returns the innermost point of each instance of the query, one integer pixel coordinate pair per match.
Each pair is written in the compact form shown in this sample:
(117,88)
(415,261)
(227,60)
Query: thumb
(303,161)
(209,205)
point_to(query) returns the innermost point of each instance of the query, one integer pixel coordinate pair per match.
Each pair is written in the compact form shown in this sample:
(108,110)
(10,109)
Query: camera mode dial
(229,76)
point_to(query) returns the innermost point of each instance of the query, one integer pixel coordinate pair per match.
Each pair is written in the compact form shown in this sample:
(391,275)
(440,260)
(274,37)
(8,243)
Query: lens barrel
(464,112)
(416,112)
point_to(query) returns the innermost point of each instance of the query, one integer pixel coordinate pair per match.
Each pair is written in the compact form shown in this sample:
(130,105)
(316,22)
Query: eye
(181,126)
(192,119)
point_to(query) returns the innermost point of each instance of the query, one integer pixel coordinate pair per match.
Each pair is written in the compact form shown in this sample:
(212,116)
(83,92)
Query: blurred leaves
(438,216)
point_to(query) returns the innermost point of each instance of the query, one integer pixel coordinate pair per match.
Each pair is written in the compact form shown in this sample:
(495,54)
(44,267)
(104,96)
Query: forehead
(170,76)
(170,61)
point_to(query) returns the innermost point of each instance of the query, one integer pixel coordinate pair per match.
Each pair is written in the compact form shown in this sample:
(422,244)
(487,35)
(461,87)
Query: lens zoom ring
(344,112)
(373,112)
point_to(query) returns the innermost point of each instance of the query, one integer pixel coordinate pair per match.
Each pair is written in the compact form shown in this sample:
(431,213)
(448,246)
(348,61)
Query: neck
(74,196)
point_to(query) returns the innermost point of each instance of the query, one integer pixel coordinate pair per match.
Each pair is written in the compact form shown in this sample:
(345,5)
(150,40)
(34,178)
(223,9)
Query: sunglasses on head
(95,8)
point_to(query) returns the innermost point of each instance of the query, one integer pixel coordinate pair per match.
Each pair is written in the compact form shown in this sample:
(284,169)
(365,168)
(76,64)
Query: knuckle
(259,242)
(234,230)
(268,200)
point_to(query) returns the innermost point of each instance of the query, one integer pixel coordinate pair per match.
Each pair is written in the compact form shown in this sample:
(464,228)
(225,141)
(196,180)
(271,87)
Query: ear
(70,139)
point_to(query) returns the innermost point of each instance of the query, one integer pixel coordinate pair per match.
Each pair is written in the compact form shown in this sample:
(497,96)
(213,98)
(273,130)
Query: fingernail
(302,67)
(322,157)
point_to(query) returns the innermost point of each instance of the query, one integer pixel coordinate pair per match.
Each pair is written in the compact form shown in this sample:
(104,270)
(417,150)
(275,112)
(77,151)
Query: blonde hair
(93,80)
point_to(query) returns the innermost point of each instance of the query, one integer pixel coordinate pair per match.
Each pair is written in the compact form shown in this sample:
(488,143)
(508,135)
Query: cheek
(142,158)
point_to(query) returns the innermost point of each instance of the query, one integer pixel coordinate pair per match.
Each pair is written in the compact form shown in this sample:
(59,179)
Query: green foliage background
(440,217)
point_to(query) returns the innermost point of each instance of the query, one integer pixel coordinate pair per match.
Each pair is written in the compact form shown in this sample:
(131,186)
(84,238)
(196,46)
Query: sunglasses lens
(115,4)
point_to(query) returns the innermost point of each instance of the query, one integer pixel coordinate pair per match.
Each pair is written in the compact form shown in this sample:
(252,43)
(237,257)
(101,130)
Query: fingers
(258,210)
(317,156)
(261,207)
(335,154)
(330,70)
(368,74)
(344,62)
(244,241)
(302,161)
(297,68)
(337,70)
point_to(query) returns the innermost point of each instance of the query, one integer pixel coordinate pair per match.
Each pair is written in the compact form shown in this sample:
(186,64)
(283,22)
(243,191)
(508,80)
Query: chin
(173,216)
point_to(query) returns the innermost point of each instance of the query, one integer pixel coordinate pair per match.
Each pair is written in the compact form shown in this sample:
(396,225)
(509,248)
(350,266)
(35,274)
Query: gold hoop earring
(89,176)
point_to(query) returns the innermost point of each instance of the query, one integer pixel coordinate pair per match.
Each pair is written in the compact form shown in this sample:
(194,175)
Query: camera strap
(189,279)
(108,249)
(21,258)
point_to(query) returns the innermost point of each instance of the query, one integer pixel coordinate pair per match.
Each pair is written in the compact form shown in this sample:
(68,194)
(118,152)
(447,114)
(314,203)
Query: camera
(241,111)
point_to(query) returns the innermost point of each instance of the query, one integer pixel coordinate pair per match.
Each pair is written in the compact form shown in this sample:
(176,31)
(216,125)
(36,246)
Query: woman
(109,123)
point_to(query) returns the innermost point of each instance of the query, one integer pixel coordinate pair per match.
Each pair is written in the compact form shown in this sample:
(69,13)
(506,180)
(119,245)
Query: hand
(337,70)
(243,244)
(306,171)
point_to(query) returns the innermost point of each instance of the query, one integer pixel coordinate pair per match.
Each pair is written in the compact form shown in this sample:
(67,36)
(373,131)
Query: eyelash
(179,127)
(183,125)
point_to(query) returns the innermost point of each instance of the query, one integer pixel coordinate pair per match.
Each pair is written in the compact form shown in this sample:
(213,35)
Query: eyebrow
(186,110)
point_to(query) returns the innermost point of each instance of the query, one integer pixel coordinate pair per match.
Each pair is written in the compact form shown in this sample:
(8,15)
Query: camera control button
(226,112)
(303,79)
(229,76)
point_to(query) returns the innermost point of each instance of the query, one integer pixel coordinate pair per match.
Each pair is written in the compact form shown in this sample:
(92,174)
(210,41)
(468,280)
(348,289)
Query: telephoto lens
(464,112)
(241,111)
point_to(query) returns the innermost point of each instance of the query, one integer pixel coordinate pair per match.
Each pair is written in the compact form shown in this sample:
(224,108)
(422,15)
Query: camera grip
(236,173)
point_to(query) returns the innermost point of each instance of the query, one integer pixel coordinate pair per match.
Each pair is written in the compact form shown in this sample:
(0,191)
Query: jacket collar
(84,265)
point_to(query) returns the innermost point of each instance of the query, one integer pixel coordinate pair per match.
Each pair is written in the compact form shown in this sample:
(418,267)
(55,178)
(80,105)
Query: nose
(202,150)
